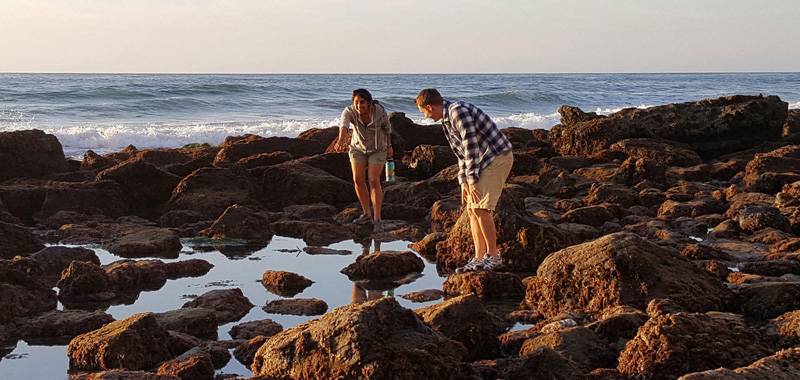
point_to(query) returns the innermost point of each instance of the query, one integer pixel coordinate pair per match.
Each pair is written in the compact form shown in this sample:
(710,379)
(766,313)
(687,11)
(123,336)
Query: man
(484,162)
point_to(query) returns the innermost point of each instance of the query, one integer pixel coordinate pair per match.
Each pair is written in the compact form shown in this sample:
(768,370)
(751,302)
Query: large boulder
(765,300)
(670,345)
(466,320)
(235,148)
(372,340)
(30,154)
(55,259)
(229,305)
(146,242)
(99,197)
(195,364)
(60,324)
(22,291)
(620,269)
(17,240)
(380,265)
(581,345)
(135,343)
(324,136)
(295,182)
(240,222)
(286,284)
(146,187)
(783,365)
(768,172)
(663,151)
(252,329)
(413,134)
(210,191)
(427,160)
(488,285)
(198,322)
(710,127)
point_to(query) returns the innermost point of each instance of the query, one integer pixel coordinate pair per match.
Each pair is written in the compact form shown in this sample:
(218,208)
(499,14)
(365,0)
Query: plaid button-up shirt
(474,138)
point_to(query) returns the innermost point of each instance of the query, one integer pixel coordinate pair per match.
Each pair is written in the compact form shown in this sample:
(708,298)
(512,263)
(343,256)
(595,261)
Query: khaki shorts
(491,181)
(374,158)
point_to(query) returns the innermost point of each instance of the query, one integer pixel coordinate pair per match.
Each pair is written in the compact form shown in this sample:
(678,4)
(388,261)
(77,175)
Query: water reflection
(361,294)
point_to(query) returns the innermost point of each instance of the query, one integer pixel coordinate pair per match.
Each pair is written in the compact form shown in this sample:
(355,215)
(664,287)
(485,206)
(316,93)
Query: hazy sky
(402,36)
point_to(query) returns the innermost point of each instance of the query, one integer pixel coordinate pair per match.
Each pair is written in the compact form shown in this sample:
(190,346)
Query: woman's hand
(389,151)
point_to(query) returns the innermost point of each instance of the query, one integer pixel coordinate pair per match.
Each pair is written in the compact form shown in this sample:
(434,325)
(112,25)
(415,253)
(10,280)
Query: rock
(427,160)
(693,208)
(792,124)
(545,363)
(229,305)
(30,154)
(414,135)
(601,193)
(117,374)
(246,351)
(774,268)
(187,268)
(426,295)
(234,148)
(17,240)
(337,164)
(240,222)
(313,233)
(326,251)
(579,344)
(179,218)
(252,329)
(755,218)
(427,246)
(710,127)
(85,282)
(264,159)
(210,191)
(377,339)
(488,285)
(198,322)
(787,328)
(99,197)
(324,136)
(315,211)
(671,345)
(783,365)
(444,214)
(466,320)
(60,324)
(666,152)
(635,271)
(594,216)
(704,252)
(94,161)
(384,264)
(135,343)
(22,291)
(286,284)
(769,299)
(298,306)
(55,259)
(295,182)
(146,187)
(146,242)
(768,172)
(192,365)
(618,325)
(416,194)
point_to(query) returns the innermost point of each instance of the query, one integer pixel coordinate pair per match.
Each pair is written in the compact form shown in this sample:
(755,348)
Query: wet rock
(210,191)
(384,264)
(30,154)
(636,271)
(704,252)
(324,136)
(692,208)
(427,160)
(545,363)
(135,343)
(146,242)
(579,344)
(286,284)
(234,148)
(601,193)
(55,259)
(417,194)
(295,182)
(768,172)
(198,322)
(146,187)
(326,251)
(252,329)
(17,240)
(783,365)
(63,324)
(651,197)
(22,291)
(314,211)
(710,127)
(427,246)
(594,216)
(246,351)
(240,222)
(671,345)
(444,214)
(192,365)
(313,233)
(618,325)
(99,197)
(117,374)
(714,268)
(179,218)
(768,300)
(426,295)
(298,306)
(792,124)
(229,305)
(787,328)
(728,229)
(187,268)
(466,320)
(379,337)
(773,268)
(85,282)
(667,152)
(755,218)
(94,161)
(488,285)
(264,159)
(413,134)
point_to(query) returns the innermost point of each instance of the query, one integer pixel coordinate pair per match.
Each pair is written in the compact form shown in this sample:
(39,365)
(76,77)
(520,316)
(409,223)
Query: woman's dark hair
(362,93)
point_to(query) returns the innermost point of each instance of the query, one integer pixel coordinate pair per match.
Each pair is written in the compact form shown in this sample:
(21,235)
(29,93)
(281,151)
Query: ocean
(106,112)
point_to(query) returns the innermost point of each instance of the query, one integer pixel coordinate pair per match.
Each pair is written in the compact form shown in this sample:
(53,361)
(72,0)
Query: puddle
(240,267)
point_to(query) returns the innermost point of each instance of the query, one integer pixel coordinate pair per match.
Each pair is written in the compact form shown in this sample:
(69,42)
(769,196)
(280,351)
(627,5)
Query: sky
(398,36)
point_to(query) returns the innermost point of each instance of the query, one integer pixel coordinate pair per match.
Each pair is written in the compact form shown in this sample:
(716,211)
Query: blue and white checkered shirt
(474,137)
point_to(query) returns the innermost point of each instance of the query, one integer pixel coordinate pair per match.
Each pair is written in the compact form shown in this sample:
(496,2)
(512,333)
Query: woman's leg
(375,189)
(360,183)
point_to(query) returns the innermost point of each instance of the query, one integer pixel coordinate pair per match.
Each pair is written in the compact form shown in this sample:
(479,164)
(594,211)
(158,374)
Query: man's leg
(375,189)
(360,182)
(487,230)
(477,235)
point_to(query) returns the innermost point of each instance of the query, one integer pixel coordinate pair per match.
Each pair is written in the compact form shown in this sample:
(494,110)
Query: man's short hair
(362,93)
(429,96)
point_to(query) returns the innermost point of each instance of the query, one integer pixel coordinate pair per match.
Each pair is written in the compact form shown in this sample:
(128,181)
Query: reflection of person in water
(360,294)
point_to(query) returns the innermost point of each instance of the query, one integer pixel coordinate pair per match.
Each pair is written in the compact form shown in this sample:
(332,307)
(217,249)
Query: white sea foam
(794,106)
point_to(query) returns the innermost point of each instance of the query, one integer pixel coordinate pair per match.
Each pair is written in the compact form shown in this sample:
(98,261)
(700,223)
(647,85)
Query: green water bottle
(390,170)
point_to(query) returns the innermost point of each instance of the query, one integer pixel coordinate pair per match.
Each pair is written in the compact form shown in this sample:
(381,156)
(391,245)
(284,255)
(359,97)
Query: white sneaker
(472,265)
(491,262)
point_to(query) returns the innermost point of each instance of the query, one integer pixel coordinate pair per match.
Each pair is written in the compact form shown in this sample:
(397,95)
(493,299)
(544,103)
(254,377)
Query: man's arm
(465,125)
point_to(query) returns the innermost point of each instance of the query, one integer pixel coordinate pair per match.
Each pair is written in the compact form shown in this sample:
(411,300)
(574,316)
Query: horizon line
(387,73)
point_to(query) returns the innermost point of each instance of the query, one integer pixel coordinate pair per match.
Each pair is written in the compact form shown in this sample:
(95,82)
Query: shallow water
(28,361)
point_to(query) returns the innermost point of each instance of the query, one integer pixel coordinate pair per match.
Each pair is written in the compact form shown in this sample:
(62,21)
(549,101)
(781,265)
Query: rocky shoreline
(655,243)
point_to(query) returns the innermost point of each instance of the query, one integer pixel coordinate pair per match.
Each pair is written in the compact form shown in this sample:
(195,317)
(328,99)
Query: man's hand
(464,194)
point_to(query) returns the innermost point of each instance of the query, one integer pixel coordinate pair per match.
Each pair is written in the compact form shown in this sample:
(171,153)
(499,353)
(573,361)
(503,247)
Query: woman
(370,145)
